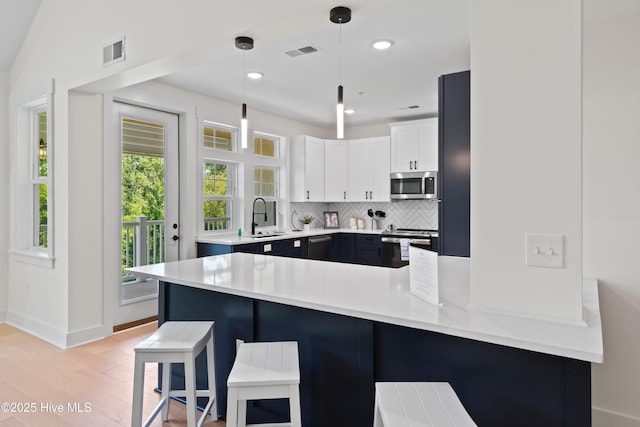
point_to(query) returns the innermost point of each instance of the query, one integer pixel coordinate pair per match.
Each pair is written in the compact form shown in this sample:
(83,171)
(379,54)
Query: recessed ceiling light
(382,44)
(349,111)
(255,75)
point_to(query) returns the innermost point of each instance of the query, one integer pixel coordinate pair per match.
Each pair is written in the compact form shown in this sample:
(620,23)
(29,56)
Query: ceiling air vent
(113,52)
(301,51)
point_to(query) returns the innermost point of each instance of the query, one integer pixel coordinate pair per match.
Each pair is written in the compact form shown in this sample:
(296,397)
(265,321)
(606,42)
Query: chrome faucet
(253,214)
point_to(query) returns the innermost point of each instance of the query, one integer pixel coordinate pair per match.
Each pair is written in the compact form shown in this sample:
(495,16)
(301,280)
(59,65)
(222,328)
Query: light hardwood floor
(56,384)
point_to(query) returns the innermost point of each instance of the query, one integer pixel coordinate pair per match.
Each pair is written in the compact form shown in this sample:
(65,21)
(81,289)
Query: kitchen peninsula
(357,324)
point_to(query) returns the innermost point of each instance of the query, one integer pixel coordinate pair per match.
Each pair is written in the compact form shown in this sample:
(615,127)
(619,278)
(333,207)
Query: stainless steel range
(395,244)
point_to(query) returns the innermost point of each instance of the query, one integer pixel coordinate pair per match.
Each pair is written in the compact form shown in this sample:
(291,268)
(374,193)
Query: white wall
(61,45)
(4,192)
(612,200)
(526,153)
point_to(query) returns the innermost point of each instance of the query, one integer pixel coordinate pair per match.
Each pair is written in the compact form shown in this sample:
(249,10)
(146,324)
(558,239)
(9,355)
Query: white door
(149,203)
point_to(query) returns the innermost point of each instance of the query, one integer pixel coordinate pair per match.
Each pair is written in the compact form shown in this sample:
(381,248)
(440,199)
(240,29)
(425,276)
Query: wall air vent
(113,52)
(301,51)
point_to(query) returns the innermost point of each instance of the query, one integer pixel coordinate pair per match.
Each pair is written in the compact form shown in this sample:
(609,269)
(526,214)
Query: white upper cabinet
(307,169)
(414,146)
(368,170)
(336,160)
(340,170)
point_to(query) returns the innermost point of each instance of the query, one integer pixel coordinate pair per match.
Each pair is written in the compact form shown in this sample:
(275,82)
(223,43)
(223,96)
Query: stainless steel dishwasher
(319,247)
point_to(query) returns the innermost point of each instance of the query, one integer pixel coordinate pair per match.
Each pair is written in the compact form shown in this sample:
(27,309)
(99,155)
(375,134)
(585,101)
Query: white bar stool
(176,342)
(423,404)
(265,370)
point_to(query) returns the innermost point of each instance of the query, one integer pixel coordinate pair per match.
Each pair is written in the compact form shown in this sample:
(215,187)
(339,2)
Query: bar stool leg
(190,389)
(242,413)
(166,389)
(294,406)
(211,369)
(232,407)
(138,385)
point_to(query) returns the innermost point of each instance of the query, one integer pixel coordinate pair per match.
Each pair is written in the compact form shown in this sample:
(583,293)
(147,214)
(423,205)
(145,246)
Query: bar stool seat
(419,404)
(176,342)
(265,370)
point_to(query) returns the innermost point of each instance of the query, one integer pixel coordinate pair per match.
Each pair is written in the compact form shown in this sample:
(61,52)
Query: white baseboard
(88,335)
(605,418)
(37,328)
(55,336)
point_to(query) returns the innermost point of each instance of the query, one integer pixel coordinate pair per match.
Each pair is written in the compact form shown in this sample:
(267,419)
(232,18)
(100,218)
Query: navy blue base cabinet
(342,357)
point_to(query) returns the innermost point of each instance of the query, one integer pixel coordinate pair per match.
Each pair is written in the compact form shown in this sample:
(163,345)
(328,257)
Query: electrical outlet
(544,250)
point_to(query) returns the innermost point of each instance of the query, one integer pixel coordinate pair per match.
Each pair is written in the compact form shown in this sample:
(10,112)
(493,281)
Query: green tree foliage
(216,183)
(142,187)
(142,195)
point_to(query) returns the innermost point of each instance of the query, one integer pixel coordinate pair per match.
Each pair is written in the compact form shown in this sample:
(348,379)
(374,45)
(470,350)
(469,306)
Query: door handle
(410,164)
(174,238)
(345,195)
(307,194)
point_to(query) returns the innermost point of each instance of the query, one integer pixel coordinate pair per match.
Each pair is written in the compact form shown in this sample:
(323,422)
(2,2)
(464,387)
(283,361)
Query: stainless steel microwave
(414,185)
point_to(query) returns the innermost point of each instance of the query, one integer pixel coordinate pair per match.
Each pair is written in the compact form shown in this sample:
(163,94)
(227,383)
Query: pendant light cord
(340,53)
(244,73)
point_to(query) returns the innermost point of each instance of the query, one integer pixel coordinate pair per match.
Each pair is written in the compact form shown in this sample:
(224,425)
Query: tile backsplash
(402,214)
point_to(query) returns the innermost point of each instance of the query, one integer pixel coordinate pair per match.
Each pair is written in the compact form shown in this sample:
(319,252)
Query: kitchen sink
(261,235)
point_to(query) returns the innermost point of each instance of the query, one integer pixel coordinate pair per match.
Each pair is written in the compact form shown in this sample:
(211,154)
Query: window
(218,137)
(39,180)
(265,185)
(219,183)
(265,145)
(32,239)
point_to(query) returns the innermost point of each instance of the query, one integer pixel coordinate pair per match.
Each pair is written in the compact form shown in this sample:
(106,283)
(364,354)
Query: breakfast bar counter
(357,324)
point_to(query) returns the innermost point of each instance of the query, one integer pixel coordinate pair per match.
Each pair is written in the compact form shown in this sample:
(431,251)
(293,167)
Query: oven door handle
(421,241)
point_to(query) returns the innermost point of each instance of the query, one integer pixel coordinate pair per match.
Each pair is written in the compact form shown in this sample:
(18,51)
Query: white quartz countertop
(382,294)
(234,239)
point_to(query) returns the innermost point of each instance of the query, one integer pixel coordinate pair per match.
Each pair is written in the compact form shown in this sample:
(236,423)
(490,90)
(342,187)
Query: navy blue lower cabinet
(498,386)
(368,249)
(209,249)
(343,247)
(233,317)
(341,358)
(336,365)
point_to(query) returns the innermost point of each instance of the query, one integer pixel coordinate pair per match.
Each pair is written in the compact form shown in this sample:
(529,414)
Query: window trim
(26,142)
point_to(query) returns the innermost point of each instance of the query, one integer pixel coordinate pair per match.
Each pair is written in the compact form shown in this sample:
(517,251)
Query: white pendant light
(340,15)
(244,43)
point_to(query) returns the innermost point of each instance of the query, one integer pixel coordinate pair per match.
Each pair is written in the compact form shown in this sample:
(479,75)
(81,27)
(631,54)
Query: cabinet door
(360,170)
(414,146)
(336,155)
(380,169)
(427,146)
(404,141)
(314,170)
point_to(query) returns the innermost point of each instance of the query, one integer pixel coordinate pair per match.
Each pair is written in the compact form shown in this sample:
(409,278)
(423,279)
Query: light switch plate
(544,250)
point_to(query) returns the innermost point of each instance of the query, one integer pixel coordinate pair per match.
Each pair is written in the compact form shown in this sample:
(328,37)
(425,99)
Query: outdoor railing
(143,241)
(214,224)
(142,244)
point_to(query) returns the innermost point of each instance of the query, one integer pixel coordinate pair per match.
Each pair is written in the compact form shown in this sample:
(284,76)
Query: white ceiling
(15,19)
(431,38)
